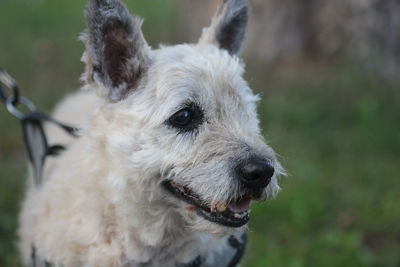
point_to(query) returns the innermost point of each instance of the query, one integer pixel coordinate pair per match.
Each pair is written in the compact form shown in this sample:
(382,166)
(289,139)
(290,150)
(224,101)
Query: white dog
(170,153)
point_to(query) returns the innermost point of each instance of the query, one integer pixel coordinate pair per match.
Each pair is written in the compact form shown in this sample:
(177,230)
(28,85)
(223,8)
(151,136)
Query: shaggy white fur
(101,202)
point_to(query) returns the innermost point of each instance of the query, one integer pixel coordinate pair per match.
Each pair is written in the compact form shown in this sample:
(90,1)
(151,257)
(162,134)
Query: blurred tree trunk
(193,16)
(367,30)
(281,30)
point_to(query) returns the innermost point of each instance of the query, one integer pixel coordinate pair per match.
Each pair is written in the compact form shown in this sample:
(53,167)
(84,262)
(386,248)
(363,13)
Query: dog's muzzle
(254,175)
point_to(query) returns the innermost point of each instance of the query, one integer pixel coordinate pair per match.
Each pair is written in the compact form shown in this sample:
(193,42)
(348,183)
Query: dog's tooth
(212,207)
(237,215)
(221,207)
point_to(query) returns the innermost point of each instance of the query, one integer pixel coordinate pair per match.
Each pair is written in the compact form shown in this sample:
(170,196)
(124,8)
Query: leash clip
(14,111)
(31,120)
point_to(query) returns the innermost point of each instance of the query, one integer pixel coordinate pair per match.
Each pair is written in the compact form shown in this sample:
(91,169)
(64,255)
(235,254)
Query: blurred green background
(335,124)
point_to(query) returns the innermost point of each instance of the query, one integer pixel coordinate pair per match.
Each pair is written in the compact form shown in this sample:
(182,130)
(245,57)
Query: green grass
(335,126)
(338,134)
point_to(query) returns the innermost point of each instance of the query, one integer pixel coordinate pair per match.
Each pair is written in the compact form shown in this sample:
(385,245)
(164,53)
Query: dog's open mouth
(233,214)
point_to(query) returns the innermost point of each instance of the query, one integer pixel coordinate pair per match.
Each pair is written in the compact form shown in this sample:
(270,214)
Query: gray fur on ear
(228,26)
(117,54)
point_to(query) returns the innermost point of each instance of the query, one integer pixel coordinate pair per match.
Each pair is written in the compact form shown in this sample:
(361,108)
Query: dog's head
(181,118)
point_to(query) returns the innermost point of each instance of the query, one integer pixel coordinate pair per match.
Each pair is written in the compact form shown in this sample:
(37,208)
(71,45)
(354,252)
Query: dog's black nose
(255,173)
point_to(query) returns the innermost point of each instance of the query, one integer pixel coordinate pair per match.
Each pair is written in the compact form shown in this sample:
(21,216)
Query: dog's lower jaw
(199,224)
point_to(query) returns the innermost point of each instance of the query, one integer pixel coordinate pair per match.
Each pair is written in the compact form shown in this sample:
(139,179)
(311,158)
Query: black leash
(35,139)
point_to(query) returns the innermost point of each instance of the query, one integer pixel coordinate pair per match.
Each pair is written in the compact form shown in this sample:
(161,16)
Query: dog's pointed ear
(117,55)
(228,26)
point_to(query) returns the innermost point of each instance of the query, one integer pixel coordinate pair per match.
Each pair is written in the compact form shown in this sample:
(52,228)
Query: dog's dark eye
(187,119)
(182,118)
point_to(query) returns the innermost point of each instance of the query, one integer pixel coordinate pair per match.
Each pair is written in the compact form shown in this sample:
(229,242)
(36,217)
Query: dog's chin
(215,218)
(199,224)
